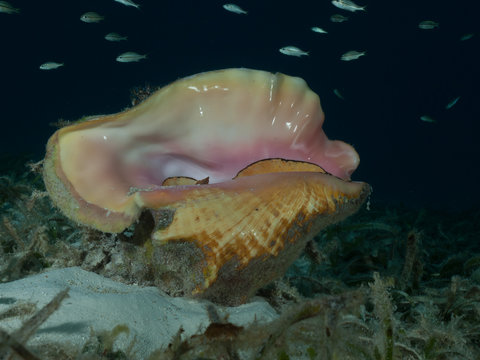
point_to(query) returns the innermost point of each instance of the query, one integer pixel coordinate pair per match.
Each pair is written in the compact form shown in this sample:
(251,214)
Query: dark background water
(406,73)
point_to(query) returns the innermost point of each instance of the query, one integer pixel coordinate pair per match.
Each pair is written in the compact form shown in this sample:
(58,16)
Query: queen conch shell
(233,166)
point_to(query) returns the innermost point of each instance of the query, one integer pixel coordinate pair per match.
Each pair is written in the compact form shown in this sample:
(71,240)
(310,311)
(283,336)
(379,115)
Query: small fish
(352,55)
(91,17)
(293,51)
(318,30)
(337,18)
(6,8)
(234,8)
(427,118)
(466,37)
(128,3)
(428,25)
(337,92)
(115,37)
(452,103)
(51,65)
(130,56)
(347,5)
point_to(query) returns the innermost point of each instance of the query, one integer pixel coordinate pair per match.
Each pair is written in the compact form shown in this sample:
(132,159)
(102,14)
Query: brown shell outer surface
(256,221)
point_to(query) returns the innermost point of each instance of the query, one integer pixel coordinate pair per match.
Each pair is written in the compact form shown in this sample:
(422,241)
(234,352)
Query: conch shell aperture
(235,159)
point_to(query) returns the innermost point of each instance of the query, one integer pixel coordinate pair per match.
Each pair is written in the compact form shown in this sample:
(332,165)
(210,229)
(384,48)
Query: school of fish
(92,17)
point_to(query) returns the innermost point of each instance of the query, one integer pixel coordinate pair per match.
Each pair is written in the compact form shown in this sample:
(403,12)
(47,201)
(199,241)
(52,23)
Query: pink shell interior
(209,125)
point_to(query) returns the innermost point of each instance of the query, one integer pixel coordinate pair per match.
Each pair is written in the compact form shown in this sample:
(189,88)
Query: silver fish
(337,18)
(318,30)
(427,118)
(130,56)
(91,17)
(348,5)
(6,8)
(452,103)
(352,55)
(337,92)
(428,25)
(128,3)
(234,8)
(293,51)
(115,37)
(466,37)
(51,65)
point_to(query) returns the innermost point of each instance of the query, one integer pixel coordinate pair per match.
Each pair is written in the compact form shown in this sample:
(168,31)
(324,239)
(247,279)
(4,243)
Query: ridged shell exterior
(240,238)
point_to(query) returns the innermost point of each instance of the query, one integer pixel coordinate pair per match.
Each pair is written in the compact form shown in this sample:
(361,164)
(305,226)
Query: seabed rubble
(390,283)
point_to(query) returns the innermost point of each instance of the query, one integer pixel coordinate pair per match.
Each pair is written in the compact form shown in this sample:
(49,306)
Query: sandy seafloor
(398,281)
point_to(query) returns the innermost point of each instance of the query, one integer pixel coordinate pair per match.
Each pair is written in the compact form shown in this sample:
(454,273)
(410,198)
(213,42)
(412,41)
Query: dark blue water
(406,73)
